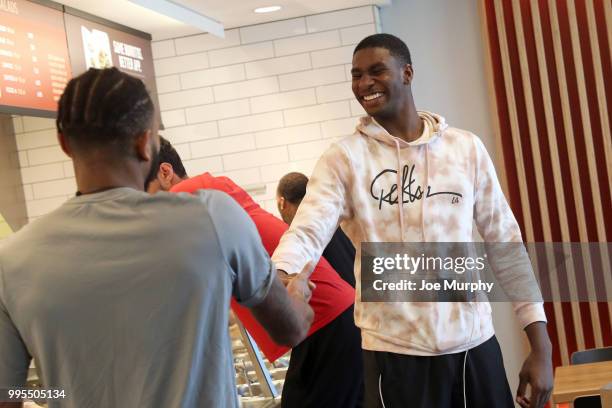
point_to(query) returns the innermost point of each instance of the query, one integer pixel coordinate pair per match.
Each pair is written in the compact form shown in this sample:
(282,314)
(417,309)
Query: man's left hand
(537,369)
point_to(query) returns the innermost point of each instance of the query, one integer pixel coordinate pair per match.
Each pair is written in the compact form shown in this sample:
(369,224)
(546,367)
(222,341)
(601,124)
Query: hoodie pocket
(458,324)
(427,327)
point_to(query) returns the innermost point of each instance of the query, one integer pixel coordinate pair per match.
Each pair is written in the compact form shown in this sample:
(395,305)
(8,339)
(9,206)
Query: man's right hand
(299,285)
(284,277)
(285,312)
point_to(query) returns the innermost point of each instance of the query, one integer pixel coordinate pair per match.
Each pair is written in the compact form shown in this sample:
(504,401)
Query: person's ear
(165,176)
(280,202)
(63,141)
(143,144)
(408,73)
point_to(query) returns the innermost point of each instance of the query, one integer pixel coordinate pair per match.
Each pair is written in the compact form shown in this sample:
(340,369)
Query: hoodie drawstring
(425,193)
(400,187)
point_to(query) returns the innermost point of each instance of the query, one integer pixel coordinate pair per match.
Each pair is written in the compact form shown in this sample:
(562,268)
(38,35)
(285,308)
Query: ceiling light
(267,9)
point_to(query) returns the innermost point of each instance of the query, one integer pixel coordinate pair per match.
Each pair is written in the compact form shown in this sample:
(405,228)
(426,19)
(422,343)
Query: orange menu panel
(34,63)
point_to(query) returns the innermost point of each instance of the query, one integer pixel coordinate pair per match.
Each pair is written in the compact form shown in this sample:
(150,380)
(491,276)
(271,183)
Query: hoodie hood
(435,125)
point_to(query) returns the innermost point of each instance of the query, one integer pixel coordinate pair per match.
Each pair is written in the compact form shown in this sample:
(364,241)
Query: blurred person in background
(326,369)
(340,252)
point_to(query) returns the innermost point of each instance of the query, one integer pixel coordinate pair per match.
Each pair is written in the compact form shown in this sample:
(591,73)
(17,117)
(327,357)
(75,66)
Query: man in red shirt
(333,375)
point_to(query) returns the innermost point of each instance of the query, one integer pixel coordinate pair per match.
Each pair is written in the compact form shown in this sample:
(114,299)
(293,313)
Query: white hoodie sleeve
(496,223)
(323,208)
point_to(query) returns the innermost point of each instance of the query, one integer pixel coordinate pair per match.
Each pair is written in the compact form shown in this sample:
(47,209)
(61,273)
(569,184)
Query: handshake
(285,312)
(298,285)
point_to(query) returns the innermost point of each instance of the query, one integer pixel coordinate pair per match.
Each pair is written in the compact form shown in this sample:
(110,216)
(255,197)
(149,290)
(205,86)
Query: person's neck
(406,125)
(94,177)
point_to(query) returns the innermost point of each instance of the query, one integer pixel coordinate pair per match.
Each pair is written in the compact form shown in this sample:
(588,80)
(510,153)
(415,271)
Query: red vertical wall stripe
(593,104)
(503,115)
(606,66)
(578,129)
(604,48)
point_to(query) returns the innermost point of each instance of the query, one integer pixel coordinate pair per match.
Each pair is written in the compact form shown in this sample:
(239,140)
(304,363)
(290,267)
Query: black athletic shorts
(472,379)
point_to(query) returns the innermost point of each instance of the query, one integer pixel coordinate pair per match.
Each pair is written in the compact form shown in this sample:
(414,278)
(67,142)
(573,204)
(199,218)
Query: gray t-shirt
(123,298)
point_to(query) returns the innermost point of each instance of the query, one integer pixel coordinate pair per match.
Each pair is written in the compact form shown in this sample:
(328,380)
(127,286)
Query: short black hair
(396,47)
(167,154)
(292,187)
(104,107)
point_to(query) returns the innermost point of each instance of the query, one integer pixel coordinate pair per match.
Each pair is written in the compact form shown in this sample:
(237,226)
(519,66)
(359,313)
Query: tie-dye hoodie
(355,183)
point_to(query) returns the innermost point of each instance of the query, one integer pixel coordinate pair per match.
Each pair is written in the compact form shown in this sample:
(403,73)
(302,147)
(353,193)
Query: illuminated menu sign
(34,64)
(94,45)
(43,46)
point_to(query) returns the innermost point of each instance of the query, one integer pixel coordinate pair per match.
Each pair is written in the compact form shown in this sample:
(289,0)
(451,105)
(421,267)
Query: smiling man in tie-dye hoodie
(436,354)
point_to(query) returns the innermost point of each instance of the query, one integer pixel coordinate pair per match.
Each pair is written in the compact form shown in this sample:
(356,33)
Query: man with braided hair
(123,297)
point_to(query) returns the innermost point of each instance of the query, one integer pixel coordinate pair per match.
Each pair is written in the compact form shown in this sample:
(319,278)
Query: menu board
(43,45)
(95,45)
(34,63)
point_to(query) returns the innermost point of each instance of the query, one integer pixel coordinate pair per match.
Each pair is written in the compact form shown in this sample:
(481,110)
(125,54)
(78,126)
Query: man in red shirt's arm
(334,374)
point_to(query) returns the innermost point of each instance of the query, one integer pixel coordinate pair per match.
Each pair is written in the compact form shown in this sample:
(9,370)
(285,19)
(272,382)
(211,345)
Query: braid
(64,104)
(92,90)
(104,107)
(75,95)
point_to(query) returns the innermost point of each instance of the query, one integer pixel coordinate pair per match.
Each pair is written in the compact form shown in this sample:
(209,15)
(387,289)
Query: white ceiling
(231,13)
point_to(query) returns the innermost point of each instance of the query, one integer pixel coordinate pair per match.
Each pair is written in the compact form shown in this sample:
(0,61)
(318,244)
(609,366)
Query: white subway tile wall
(168,83)
(265,100)
(334,92)
(339,19)
(338,127)
(308,150)
(46,172)
(31,124)
(353,35)
(28,192)
(274,30)
(285,100)
(332,56)
(183,99)
(243,53)
(312,78)
(211,76)
(45,155)
(281,65)
(317,113)
(163,49)
(254,123)
(287,135)
(203,42)
(215,111)
(310,42)
(244,89)
(184,63)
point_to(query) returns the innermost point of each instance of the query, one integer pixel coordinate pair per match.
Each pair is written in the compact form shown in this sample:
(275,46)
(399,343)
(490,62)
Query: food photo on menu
(96,45)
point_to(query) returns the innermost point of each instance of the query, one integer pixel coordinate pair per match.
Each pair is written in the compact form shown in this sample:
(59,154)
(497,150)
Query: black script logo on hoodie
(411,191)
